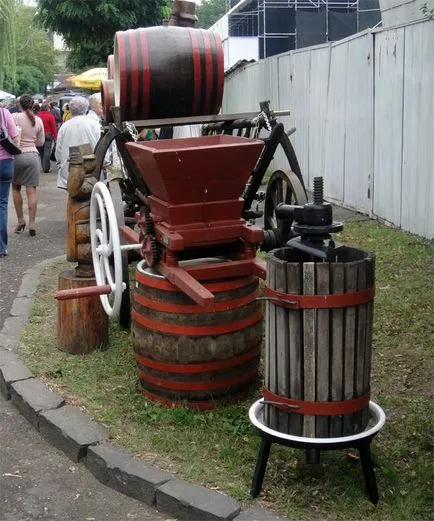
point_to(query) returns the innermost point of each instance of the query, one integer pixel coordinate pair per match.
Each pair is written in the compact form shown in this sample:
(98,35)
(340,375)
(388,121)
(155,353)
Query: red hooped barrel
(190,355)
(166,72)
(110,67)
(107,99)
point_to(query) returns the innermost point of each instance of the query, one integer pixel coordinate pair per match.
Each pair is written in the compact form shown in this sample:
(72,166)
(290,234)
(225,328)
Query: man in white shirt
(77,131)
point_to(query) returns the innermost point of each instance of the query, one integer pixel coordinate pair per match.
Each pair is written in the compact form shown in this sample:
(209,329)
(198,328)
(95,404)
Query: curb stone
(83,439)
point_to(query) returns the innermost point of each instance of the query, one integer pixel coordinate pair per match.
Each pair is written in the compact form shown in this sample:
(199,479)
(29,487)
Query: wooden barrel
(187,354)
(110,67)
(318,348)
(108,99)
(166,72)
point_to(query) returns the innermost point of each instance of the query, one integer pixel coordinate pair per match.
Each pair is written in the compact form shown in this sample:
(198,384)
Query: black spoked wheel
(283,187)
(125,311)
(289,151)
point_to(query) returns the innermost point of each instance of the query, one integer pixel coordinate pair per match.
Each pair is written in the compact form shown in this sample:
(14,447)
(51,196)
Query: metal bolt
(318,190)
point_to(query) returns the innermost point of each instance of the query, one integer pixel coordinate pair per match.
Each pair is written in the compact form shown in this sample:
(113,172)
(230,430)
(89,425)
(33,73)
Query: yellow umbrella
(90,79)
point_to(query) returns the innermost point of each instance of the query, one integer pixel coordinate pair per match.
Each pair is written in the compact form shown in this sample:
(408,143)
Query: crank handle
(90,291)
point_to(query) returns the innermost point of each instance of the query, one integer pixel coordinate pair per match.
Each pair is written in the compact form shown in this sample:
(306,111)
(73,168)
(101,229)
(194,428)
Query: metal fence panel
(417,213)
(389,70)
(335,124)
(318,92)
(358,168)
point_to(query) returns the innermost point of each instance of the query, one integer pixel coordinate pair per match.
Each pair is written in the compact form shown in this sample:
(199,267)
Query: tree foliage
(88,27)
(7,39)
(34,55)
(209,11)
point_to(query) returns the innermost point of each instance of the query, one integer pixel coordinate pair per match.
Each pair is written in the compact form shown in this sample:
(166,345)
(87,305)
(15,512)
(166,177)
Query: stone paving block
(13,327)
(22,307)
(71,431)
(186,501)
(7,356)
(259,514)
(7,342)
(29,283)
(117,469)
(11,372)
(31,397)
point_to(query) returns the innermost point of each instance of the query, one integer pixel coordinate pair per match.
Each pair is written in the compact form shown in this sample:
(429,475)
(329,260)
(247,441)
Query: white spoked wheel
(106,248)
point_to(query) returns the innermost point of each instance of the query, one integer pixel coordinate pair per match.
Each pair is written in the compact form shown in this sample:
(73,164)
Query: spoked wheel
(124,311)
(106,248)
(282,188)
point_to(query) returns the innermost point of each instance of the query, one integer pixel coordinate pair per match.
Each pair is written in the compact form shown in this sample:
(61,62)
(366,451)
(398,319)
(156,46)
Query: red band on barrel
(187,309)
(209,84)
(220,73)
(134,72)
(214,287)
(201,406)
(338,300)
(174,329)
(290,405)
(196,71)
(214,385)
(199,368)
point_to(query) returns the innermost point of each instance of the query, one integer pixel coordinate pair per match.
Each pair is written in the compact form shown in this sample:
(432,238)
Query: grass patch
(218,448)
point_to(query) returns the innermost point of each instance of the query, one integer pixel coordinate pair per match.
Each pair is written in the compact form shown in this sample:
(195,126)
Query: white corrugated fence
(364,112)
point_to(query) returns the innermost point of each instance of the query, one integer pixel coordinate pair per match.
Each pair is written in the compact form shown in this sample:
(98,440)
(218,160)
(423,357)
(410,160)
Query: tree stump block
(82,324)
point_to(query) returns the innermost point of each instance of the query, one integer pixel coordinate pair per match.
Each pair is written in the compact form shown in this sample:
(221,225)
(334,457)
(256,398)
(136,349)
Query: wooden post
(82,324)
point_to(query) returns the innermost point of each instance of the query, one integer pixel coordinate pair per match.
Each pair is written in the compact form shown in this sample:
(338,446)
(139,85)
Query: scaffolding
(283,25)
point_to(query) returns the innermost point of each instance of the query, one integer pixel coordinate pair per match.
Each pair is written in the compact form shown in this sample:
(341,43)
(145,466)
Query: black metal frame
(313,455)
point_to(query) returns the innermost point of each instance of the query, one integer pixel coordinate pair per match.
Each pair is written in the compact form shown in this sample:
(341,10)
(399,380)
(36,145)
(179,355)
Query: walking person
(79,130)
(28,163)
(50,129)
(6,173)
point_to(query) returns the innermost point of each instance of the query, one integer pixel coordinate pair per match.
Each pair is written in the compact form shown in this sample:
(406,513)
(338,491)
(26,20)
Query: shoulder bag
(5,141)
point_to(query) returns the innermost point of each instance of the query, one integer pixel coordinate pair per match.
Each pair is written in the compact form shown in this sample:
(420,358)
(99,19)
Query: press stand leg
(368,472)
(261,465)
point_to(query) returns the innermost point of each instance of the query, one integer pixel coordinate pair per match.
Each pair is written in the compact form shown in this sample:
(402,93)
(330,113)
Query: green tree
(28,79)
(88,27)
(209,11)
(7,39)
(34,54)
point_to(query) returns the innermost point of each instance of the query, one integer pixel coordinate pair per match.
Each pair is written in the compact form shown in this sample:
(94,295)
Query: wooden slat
(337,347)
(370,281)
(350,344)
(309,348)
(295,339)
(282,358)
(360,345)
(270,375)
(323,347)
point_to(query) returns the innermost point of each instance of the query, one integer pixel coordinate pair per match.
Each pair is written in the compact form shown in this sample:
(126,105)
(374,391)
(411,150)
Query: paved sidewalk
(37,481)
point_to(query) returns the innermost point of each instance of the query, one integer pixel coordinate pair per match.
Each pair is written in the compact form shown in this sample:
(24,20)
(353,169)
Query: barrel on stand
(187,354)
(166,72)
(318,342)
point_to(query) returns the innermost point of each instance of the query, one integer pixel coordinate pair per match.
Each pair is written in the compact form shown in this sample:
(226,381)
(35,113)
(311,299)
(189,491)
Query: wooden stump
(82,324)
(318,355)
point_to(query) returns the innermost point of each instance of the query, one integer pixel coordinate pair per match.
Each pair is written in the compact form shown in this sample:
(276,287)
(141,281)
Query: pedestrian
(66,113)
(6,173)
(54,109)
(50,129)
(95,107)
(28,163)
(14,107)
(79,130)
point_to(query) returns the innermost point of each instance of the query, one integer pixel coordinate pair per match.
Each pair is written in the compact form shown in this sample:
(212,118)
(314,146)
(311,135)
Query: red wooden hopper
(196,186)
